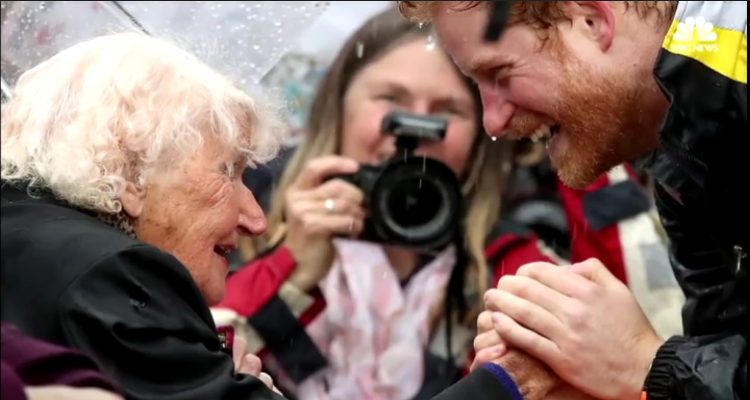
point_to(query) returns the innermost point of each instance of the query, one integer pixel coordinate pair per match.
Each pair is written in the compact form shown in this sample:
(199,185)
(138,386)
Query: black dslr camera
(412,201)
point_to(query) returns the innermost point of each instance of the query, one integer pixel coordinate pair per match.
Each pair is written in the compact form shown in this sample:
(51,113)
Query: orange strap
(644,396)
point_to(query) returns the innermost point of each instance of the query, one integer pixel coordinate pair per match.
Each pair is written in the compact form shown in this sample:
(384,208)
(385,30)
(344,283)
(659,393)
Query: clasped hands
(567,333)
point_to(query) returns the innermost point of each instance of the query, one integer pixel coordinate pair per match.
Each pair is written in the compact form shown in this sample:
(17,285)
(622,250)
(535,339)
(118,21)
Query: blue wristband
(505,379)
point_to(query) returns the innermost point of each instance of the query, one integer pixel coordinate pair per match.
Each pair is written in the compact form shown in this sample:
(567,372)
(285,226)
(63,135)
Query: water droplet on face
(421,25)
(494,138)
(430,45)
(360,49)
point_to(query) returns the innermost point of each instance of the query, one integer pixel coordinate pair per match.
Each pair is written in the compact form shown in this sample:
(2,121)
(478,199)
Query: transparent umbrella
(243,39)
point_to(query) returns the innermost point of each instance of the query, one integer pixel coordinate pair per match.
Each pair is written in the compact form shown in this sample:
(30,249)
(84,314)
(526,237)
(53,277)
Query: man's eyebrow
(478,63)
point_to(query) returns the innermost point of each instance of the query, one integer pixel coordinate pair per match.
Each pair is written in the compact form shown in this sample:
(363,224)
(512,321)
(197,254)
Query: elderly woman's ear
(132,200)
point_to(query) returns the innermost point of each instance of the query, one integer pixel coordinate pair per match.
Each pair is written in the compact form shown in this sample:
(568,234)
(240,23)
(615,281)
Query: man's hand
(567,392)
(580,321)
(249,364)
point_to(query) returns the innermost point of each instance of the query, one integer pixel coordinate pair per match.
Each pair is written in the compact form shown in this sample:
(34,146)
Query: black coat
(69,279)
(702,193)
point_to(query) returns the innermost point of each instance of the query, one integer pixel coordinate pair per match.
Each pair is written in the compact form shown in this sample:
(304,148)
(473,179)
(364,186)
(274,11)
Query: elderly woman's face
(197,213)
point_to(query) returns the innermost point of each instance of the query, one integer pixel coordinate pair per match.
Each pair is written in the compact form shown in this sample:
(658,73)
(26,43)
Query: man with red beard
(663,84)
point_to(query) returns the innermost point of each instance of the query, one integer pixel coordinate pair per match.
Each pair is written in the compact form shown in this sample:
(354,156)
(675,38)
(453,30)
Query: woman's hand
(249,364)
(317,210)
(68,393)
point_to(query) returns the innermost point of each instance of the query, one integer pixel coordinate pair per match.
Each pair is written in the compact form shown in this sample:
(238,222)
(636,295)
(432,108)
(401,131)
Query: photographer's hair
(483,182)
(115,109)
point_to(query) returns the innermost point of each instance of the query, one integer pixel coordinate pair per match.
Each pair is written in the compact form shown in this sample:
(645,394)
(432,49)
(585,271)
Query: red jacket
(278,314)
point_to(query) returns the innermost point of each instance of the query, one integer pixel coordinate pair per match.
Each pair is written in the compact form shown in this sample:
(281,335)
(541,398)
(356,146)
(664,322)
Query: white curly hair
(119,107)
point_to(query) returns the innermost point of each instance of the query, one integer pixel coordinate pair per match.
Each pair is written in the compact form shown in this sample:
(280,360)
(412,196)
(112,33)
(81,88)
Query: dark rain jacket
(703,196)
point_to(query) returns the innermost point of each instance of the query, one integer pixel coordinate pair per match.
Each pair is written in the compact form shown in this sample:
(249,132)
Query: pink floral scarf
(374,332)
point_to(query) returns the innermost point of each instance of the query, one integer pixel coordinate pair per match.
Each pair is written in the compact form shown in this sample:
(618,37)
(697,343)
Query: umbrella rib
(5,88)
(130,18)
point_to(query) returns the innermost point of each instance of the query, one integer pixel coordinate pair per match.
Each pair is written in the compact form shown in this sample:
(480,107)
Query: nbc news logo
(695,35)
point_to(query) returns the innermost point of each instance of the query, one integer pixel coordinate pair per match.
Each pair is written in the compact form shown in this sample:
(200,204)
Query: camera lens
(414,202)
(417,202)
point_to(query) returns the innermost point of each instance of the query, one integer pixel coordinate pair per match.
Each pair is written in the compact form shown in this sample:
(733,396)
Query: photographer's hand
(316,210)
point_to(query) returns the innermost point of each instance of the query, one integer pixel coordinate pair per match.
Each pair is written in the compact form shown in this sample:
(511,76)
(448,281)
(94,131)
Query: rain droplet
(256,47)
(239,41)
(360,49)
(277,23)
(430,45)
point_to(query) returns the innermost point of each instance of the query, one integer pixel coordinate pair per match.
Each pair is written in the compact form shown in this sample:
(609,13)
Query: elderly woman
(122,195)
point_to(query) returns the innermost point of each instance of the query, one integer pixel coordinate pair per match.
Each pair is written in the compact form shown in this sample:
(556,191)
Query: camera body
(412,201)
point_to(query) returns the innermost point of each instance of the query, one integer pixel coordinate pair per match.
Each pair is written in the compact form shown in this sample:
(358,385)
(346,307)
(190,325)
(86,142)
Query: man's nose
(253,220)
(497,110)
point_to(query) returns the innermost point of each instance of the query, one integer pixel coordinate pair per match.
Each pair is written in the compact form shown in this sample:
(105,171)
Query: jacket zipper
(740,255)
(677,150)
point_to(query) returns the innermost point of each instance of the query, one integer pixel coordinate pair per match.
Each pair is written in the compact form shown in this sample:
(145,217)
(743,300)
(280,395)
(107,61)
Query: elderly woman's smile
(197,212)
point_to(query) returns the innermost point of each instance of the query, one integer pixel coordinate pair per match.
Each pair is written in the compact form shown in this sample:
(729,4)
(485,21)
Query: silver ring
(330,205)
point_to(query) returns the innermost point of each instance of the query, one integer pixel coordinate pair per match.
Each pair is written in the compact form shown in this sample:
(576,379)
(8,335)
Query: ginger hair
(540,14)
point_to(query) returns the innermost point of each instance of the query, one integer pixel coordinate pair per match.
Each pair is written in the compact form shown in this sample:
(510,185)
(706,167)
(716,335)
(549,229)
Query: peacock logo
(695,35)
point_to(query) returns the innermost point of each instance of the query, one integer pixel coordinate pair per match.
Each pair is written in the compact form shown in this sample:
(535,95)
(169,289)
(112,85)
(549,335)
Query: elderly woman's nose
(252,220)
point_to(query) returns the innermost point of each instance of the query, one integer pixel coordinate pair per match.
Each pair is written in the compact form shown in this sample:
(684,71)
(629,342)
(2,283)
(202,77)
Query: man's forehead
(462,34)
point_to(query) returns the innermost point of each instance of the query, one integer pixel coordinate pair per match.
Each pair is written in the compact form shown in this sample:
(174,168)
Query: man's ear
(132,200)
(595,19)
